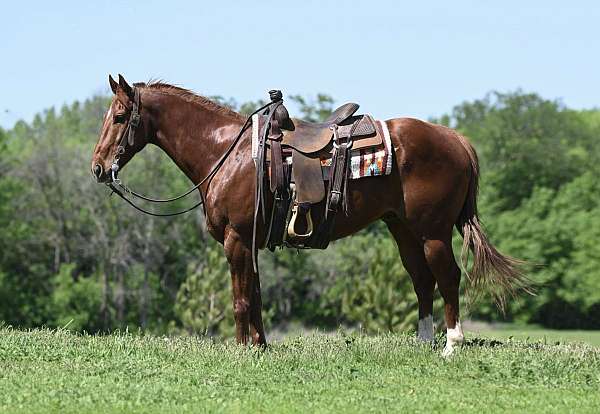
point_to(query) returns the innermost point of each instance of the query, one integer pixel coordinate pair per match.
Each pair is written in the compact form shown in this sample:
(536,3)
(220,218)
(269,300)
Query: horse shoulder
(230,199)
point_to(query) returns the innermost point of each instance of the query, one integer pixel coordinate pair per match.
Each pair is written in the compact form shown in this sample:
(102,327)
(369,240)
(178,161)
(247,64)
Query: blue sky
(394,58)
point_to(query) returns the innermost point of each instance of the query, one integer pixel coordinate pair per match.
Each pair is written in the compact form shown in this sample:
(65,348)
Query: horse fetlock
(425,329)
(454,338)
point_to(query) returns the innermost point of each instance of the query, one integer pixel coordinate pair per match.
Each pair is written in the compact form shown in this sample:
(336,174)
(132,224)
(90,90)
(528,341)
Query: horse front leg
(247,305)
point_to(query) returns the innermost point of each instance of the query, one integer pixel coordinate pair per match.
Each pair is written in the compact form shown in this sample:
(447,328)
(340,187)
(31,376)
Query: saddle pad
(370,162)
(364,162)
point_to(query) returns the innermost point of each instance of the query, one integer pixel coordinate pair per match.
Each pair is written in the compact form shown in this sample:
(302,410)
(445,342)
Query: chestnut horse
(431,190)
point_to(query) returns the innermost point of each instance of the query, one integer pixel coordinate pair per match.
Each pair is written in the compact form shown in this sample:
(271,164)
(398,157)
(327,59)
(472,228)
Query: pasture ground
(534,333)
(57,371)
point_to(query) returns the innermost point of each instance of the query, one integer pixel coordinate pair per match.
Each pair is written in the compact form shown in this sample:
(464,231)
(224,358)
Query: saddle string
(130,133)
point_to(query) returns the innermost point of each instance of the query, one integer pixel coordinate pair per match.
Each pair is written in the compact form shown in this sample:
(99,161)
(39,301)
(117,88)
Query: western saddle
(305,182)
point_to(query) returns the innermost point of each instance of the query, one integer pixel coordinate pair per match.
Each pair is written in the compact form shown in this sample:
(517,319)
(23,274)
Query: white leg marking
(454,337)
(425,331)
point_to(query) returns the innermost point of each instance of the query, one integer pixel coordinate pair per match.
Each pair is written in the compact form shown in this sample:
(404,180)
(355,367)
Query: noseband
(121,189)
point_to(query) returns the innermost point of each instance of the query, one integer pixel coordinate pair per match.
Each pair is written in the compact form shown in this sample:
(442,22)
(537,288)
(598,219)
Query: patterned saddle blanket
(364,162)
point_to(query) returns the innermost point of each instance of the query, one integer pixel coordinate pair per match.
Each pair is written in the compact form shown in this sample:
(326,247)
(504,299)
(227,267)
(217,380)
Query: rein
(129,133)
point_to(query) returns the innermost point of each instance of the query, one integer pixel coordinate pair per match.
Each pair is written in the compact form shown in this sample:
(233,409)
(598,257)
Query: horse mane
(189,96)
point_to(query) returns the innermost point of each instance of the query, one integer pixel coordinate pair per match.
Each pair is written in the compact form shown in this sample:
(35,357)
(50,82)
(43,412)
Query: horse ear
(125,86)
(113,84)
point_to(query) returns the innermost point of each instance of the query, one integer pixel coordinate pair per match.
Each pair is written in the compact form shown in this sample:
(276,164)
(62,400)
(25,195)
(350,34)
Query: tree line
(72,256)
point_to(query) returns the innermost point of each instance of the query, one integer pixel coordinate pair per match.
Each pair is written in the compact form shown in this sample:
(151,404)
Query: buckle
(135,120)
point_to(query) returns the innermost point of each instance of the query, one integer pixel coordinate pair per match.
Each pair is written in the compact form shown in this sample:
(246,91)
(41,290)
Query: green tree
(524,141)
(75,303)
(203,302)
(70,254)
(374,289)
(314,110)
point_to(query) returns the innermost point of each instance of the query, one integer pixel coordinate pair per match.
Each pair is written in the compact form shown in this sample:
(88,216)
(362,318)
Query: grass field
(57,371)
(533,333)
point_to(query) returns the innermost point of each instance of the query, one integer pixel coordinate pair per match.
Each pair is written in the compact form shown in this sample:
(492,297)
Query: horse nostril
(97,171)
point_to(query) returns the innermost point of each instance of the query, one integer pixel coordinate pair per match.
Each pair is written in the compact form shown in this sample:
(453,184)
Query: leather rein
(128,138)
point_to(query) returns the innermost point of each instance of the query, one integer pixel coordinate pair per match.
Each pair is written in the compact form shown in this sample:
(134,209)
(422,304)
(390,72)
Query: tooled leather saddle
(289,159)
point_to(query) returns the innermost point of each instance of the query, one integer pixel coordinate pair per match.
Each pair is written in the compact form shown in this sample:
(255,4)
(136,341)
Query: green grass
(533,333)
(56,371)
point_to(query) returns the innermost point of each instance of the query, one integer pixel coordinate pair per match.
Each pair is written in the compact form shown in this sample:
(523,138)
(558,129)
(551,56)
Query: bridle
(128,138)
(129,133)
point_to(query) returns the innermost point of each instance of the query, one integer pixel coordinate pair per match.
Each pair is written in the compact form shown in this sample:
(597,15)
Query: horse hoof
(448,351)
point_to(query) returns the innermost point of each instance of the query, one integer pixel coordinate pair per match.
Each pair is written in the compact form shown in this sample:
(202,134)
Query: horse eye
(119,118)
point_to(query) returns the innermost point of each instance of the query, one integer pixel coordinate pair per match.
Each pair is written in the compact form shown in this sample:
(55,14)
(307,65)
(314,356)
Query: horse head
(125,131)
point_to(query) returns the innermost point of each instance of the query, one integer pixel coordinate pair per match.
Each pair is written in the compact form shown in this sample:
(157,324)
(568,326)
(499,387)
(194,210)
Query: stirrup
(291,227)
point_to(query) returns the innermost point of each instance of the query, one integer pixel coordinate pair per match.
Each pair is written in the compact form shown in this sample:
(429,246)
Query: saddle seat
(309,142)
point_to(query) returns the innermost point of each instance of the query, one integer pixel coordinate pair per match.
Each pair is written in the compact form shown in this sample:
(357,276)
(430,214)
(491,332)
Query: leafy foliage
(75,302)
(314,110)
(525,141)
(541,195)
(369,262)
(72,256)
(203,302)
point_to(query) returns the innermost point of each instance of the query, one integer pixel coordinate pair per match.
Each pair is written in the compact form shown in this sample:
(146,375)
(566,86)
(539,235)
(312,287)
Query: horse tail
(492,271)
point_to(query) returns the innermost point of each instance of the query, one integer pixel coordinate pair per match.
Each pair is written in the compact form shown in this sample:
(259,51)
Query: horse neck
(193,136)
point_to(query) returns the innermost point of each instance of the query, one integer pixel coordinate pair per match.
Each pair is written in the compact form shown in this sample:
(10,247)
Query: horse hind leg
(440,259)
(413,259)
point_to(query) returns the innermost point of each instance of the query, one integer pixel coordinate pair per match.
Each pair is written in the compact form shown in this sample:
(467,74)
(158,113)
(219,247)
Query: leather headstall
(129,133)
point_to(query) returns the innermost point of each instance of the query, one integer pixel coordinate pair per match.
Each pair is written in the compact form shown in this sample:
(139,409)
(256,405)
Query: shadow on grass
(469,342)
(482,343)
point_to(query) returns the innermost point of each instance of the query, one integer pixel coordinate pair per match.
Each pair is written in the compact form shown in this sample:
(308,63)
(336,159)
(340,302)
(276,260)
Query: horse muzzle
(99,173)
